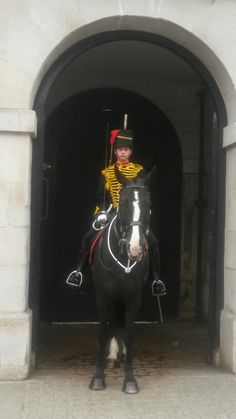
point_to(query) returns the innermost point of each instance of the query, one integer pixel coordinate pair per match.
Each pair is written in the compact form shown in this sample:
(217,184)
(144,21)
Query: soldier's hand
(100,220)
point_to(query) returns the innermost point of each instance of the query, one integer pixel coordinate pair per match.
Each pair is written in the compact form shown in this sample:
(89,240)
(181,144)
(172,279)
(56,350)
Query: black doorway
(74,152)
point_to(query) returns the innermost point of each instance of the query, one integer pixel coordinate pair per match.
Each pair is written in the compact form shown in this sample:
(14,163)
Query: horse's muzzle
(135,253)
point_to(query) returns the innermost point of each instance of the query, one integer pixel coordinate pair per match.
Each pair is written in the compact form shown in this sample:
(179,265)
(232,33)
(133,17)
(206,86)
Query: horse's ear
(119,176)
(149,179)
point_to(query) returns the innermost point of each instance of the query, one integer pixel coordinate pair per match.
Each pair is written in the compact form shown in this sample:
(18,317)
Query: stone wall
(16,130)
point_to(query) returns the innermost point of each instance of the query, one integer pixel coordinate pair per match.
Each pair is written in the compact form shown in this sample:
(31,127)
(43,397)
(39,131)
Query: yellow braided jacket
(112,186)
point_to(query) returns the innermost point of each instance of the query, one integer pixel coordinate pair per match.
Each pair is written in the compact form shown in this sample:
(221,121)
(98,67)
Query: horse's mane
(135,183)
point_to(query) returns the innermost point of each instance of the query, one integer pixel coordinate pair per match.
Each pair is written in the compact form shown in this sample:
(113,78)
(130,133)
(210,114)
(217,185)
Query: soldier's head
(122,141)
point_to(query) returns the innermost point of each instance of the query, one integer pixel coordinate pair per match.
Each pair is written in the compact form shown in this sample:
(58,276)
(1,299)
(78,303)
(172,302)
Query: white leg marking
(135,239)
(123,348)
(113,349)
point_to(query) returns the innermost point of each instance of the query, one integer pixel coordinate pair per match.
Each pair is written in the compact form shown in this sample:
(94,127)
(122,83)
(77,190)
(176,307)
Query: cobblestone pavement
(170,364)
(158,348)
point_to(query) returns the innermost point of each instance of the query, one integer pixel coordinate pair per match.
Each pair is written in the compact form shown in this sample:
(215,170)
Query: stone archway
(101,38)
(28,76)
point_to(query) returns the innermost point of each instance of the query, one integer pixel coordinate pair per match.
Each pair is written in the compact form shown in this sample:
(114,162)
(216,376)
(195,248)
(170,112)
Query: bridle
(134,223)
(127,268)
(124,231)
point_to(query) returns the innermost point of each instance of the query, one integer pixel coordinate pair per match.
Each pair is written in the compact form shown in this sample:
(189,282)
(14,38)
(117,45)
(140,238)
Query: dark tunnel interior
(74,154)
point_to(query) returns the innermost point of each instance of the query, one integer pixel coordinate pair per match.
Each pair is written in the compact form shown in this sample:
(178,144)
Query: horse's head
(134,212)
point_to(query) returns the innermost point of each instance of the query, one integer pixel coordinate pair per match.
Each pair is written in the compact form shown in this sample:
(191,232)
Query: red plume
(113,136)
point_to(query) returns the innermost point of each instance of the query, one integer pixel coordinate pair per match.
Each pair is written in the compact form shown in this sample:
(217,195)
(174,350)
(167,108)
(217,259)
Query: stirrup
(75,279)
(158,288)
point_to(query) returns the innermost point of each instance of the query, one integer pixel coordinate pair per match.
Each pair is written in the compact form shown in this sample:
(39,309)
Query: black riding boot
(155,264)
(75,278)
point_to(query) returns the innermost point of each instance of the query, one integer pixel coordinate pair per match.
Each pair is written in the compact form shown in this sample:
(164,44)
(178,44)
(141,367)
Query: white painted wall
(32,35)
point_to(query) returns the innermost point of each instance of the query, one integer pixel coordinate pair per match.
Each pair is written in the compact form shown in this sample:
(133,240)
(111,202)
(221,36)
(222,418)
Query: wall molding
(18,120)
(229,136)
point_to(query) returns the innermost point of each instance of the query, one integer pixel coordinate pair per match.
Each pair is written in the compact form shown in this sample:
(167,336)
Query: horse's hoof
(130,387)
(97,384)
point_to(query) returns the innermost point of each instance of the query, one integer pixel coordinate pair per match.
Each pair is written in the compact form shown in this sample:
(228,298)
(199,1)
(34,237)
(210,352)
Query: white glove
(100,220)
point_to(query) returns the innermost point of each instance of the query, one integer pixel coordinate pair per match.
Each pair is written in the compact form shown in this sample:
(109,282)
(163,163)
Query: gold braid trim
(125,138)
(130,171)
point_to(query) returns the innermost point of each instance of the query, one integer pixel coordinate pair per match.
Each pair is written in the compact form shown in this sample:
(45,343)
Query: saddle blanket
(94,244)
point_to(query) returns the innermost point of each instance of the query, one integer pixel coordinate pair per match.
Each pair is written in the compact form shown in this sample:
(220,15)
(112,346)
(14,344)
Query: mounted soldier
(121,141)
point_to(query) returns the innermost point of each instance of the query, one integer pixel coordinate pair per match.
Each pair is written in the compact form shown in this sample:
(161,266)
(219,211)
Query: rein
(127,268)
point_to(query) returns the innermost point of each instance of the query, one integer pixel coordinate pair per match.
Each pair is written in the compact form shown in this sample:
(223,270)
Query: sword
(125,120)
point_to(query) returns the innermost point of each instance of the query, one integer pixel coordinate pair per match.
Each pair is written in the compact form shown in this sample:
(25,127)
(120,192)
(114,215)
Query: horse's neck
(116,228)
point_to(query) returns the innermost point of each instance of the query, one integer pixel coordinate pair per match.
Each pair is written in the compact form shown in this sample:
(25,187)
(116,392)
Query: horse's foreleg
(98,380)
(130,385)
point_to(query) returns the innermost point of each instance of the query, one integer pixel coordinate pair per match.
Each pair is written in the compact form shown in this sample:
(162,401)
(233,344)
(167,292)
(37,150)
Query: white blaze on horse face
(135,247)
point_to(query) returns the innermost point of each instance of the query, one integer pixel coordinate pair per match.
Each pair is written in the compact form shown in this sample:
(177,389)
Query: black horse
(120,267)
